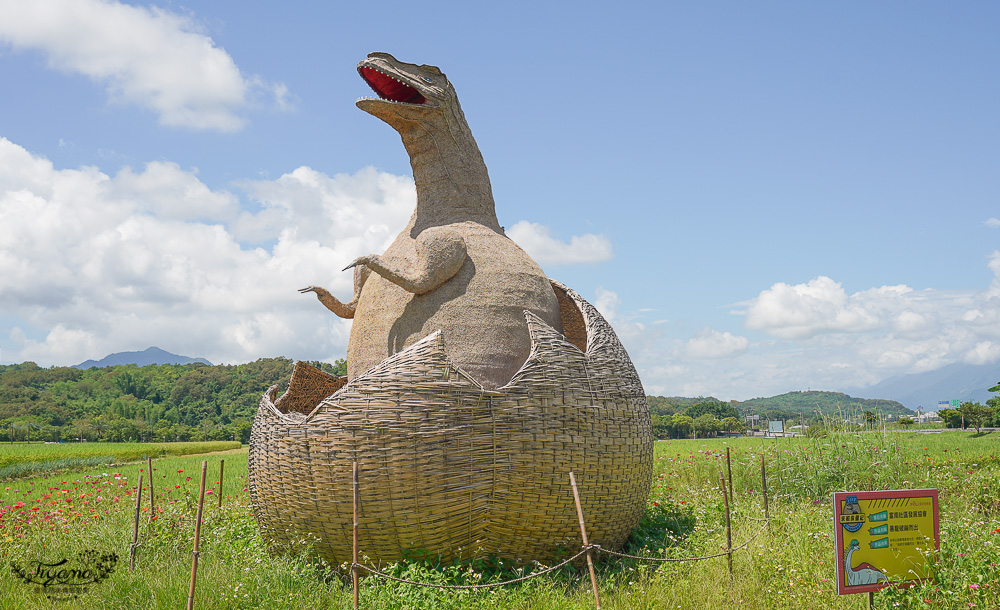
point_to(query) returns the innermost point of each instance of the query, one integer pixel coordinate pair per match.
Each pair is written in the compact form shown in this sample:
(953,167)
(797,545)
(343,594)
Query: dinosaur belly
(479,311)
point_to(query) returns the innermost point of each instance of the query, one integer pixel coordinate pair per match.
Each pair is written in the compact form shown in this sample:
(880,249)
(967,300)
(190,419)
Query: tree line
(974,414)
(185,402)
(155,403)
(686,418)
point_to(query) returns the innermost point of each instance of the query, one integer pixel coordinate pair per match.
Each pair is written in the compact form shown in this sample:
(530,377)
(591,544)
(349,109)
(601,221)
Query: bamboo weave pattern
(451,469)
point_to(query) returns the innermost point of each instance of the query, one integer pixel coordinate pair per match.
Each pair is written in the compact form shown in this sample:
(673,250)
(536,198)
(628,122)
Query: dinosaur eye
(427,79)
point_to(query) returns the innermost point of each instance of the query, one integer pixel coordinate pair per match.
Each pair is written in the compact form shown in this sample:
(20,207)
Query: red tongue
(389,88)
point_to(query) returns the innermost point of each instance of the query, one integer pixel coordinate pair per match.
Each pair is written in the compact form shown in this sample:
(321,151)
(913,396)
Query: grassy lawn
(21,459)
(791,565)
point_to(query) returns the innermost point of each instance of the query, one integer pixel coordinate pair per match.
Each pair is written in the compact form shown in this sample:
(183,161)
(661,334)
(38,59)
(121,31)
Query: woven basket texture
(450,469)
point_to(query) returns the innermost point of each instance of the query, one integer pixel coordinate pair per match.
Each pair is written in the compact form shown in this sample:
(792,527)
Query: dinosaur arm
(344,310)
(361,273)
(440,254)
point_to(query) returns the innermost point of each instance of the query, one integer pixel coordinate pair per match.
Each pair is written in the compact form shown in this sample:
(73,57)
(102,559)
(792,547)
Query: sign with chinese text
(884,537)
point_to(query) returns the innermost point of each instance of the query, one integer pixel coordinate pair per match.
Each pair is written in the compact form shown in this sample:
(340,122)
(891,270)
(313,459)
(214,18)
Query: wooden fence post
(763,483)
(729,475)
(197,536)
(149,472)
(354,566)
(583,533)
(729,528)
(135,526)
(222,469)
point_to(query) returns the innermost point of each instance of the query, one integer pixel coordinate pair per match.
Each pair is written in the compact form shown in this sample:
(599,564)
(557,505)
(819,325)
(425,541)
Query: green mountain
(816,403)
(151,355)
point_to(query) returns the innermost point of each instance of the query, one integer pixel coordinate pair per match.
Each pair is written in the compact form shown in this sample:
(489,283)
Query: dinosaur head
(406,92)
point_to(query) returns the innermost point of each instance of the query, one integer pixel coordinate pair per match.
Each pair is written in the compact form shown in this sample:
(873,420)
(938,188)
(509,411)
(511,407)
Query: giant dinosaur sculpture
(452,268)
(475,384)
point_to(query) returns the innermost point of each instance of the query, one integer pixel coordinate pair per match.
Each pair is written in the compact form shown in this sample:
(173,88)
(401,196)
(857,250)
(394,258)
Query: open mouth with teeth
(389,88)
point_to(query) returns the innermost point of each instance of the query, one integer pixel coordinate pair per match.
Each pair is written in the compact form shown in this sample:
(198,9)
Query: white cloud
(984,352)
(368,207)
(166,191)
(805,310)
(992,223)
(821,338)
(142,55)
(908,322)
(892,327)
(537,241)
(713,344)
(104,264)
(994,266)
(607,303)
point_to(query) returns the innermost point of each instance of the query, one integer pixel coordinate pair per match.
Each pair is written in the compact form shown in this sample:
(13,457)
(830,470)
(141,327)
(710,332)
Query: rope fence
(585,550)
(513,581)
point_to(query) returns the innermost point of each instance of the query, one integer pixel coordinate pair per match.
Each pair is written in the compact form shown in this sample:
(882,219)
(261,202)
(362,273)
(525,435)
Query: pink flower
(973,586)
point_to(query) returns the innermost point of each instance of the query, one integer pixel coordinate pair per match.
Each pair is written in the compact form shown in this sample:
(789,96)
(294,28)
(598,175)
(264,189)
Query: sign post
(883,537)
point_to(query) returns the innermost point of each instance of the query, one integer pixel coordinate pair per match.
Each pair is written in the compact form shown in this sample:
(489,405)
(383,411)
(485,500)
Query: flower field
(86,515)
(21,459)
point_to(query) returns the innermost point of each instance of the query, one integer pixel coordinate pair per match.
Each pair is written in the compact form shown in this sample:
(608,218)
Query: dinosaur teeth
(391,87)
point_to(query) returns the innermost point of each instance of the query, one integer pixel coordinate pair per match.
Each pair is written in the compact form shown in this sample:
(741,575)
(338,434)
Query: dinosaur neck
(448,169)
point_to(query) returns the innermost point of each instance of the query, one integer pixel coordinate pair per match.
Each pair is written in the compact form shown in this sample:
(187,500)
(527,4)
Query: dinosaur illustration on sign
(865,573)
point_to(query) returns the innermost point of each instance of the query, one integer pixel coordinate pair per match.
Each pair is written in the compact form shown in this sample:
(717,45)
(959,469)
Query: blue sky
(761,198)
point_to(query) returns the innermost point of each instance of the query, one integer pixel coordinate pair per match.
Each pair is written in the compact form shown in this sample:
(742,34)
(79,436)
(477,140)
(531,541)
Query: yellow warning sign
(884,537)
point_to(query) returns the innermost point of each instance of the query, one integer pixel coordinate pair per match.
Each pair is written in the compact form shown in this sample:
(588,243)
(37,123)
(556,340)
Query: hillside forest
(198,402)
(154,403)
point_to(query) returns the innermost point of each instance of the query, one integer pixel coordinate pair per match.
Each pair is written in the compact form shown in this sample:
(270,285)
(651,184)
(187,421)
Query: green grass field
(791,565)
(22,459)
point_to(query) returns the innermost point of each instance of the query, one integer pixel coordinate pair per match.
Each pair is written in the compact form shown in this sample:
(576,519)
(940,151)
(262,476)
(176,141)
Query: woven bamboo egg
(450,469)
